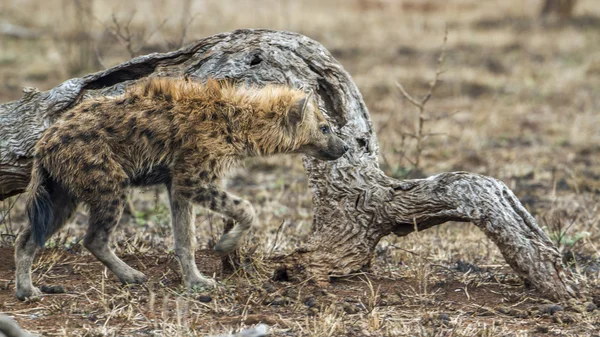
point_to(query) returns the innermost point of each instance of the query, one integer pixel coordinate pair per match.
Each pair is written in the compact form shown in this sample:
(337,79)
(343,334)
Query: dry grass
(528,113)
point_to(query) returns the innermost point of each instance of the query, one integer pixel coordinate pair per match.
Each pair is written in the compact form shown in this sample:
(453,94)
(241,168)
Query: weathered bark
(356,204)
(563,9)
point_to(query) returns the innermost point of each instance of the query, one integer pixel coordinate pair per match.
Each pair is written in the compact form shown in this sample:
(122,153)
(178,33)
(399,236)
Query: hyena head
(312,131)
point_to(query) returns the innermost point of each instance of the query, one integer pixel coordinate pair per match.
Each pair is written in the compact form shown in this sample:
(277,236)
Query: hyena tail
(39,206)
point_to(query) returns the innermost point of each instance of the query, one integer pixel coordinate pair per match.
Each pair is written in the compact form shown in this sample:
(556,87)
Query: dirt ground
(518,101)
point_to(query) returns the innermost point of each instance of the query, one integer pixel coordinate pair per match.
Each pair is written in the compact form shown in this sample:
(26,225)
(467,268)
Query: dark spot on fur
(237,201)
(121,102)
(132,99)
(202,117)
(104,191)
(213,163)
(87,136)
(149,134)
(186,194)
(115,203)
(159,143)
(213,203)
(132,122)
(95,106)
(201,197)
(190,182)
(213,134)
(150,112)
(110,130)
(271,115)
(203,175)
(66,138)
(229,139)
(89,167)
(214,117)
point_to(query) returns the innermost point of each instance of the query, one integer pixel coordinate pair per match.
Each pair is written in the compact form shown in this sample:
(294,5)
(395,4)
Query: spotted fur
(167,131)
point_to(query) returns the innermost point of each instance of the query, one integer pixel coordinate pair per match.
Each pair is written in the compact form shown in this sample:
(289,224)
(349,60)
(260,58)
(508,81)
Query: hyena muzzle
(174,132)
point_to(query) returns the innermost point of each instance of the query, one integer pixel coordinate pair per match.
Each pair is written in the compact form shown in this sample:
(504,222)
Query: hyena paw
(201,283)
(28,293)
(133,277)
(227,244)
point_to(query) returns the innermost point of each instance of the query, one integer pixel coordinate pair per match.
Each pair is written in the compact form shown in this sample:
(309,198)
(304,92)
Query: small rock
(204,298)
(551,309)
(52,289)
(590,307)
(279,300)
(310,301)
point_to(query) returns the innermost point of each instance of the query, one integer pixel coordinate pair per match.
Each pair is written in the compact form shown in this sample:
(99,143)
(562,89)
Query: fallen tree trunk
(356,204)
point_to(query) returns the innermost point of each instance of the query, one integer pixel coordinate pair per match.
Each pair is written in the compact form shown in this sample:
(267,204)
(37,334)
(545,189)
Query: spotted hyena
(167,131)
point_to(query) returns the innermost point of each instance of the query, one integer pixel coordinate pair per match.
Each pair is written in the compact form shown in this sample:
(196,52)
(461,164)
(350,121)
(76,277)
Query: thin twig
(419,134)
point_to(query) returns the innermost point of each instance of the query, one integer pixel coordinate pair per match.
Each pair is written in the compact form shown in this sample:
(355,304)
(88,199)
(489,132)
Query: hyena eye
(325,129)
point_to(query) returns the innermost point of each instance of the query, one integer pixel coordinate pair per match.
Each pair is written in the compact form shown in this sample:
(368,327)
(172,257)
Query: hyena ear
(297,113)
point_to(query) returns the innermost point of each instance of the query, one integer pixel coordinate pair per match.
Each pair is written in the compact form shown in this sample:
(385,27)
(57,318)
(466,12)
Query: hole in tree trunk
(255,60)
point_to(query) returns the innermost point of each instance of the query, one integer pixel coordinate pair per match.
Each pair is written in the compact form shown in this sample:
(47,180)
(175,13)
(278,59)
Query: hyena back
(167,131)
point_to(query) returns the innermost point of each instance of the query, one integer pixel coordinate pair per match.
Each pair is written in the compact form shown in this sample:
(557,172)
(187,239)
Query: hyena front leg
(242,211)
(184,232)
(212,197)
(104,217)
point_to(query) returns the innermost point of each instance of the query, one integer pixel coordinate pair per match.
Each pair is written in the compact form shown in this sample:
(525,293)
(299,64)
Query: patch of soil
(94,295)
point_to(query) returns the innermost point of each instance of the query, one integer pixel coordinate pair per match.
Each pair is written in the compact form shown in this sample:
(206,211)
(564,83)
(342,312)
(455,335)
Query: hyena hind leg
(104,217)
(63,207)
